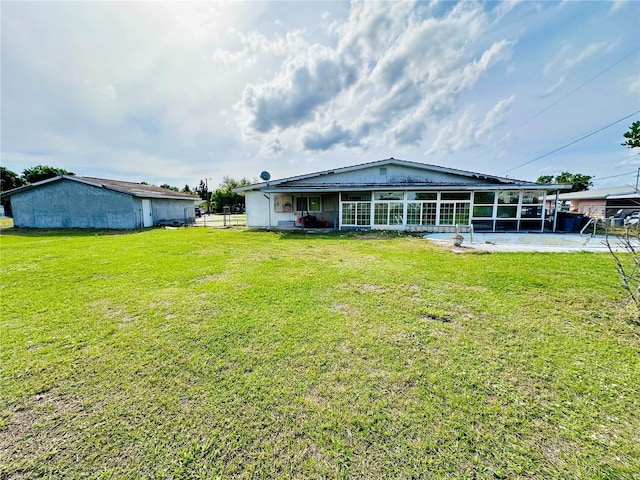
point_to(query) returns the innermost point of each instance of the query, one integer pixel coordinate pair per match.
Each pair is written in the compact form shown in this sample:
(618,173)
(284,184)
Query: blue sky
(178,92)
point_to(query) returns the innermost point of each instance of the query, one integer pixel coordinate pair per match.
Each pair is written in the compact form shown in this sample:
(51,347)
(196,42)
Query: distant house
(397,195)
(70,201)
(601,203)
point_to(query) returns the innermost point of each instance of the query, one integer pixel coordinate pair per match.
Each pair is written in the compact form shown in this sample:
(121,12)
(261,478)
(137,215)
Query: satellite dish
(265,176)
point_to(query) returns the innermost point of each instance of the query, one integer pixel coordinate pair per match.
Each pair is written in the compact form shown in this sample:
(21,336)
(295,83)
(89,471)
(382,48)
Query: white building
(397,195)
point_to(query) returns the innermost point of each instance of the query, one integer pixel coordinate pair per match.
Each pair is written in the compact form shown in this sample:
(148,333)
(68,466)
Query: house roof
(486,181)
(131,188)
(599,194)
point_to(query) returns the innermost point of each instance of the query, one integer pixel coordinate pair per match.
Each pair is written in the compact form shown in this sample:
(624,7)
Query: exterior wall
(590,207)
(169,211)
(388,174)
(486,210)
(257,207)
(69,204)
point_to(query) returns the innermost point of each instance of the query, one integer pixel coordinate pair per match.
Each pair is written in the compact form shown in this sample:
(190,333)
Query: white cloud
(589,51)
(467,132)
(226,87)
(553,88)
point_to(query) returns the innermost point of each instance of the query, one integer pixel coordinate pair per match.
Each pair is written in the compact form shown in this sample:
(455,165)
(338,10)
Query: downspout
(268,197)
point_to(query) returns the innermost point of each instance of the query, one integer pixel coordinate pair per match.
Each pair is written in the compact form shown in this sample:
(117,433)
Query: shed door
(147,219)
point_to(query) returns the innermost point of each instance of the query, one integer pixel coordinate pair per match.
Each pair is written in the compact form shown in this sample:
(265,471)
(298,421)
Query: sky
(181,92)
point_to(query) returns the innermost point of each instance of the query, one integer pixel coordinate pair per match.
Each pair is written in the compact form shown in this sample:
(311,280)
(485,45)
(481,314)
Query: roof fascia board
(359,188)
(31,186)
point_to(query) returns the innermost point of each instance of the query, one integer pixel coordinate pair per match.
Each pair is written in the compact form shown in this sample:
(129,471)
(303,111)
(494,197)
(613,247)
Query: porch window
(356,213)
(421,213)
(388,208)
(308,204)
(483,203)
(455,208)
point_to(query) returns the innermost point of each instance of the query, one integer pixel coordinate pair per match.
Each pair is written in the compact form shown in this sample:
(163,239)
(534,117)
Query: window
(456,196)
(422,196)
(507,212)
(484,198)
(356,197)
(383,170)
(455,208)
(508,198)
(532,197)
(356,213)
(308,204)
(482,211)
(388,196)
(483,204)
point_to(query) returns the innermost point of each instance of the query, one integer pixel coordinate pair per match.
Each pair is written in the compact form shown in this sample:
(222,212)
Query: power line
(596,179)
(570,143)
(579,87)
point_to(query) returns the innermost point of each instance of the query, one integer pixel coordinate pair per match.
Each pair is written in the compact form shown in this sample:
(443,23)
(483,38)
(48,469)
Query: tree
(632,136)
(169,187)
(225,195)
(9,180)
(545,179)
(42,172)
(578,181)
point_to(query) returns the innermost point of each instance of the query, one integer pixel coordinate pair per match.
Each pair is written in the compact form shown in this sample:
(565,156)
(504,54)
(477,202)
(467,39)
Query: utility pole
(637,178)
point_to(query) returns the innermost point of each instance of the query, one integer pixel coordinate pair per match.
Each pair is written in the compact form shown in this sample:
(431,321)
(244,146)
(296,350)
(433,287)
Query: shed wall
(169,211)
(69,204)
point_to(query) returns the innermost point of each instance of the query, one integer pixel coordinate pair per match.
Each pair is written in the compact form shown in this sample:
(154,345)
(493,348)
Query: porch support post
(555,211)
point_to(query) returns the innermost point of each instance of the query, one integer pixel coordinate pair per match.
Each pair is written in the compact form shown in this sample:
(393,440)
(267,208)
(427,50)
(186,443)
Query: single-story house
(601,203)
(70,201)
(397,195)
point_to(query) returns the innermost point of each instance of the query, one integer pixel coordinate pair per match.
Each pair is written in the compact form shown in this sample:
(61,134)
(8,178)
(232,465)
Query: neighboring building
(70,201)
(397,195)
(601,203)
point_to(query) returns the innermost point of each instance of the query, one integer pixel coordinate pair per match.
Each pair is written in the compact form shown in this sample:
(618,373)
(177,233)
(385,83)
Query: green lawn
(206,353)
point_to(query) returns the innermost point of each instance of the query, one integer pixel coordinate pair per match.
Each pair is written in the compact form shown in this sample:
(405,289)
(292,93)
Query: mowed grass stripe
(197,353)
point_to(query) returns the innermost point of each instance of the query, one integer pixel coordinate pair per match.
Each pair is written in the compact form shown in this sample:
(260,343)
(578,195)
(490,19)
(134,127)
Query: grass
(206,353)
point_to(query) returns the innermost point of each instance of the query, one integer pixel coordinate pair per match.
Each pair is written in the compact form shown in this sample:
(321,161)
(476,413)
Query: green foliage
(225,195)
(169,187)
(545,179)
(9,180)
(203,191)
(632,136)
(205,353)
(42,172)
(578,181)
